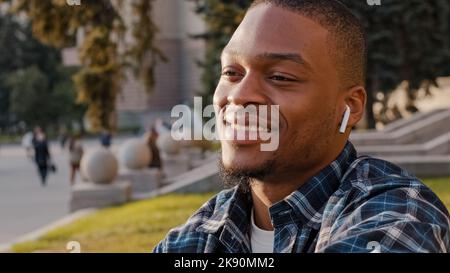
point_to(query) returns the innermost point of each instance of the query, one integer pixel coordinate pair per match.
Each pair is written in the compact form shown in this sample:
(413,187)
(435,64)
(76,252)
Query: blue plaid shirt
(355,204)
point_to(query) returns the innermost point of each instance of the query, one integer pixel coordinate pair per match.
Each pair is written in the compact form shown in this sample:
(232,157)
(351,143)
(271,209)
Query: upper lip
(231,117)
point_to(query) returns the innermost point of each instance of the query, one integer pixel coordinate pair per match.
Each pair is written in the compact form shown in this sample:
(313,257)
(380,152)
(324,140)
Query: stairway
(420,144)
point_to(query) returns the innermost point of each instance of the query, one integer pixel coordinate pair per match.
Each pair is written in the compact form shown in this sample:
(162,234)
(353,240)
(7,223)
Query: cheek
(308,122)
(297,115)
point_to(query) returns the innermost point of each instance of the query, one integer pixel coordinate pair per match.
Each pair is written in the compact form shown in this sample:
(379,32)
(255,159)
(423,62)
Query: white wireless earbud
(345,120)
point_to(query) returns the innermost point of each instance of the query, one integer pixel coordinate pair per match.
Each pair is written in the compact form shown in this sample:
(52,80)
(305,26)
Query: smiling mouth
(245,129)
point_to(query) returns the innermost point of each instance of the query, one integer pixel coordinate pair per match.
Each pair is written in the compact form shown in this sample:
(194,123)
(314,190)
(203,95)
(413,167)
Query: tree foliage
(221,19)
(34,101)
(104,53)
(407,40)
(25,63)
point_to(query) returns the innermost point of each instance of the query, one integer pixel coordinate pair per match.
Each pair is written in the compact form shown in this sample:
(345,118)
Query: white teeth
(230,120)
(251,128)
(232,117)
(238,127)
(229,117)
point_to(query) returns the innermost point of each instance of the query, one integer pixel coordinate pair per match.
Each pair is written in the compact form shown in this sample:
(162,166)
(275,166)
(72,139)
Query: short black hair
(346,33)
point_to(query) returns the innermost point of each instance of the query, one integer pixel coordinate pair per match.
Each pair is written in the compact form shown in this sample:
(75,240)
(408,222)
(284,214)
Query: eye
(231,75)
(282,78)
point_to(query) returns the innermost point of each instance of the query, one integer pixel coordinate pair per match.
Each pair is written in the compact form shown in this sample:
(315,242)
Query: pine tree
(407,41)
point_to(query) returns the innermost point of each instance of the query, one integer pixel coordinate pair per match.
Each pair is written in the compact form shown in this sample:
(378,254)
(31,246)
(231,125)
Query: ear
(356,99)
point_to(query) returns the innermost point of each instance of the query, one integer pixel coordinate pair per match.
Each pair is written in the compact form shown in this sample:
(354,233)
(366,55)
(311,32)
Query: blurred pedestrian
(156,161)
(105,138)
(152,136)
(42,156)
(62,137)
(27,143)
(75,155)
(161,126)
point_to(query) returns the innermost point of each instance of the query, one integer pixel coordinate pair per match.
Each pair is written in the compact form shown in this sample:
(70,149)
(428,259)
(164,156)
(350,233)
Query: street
(24,204)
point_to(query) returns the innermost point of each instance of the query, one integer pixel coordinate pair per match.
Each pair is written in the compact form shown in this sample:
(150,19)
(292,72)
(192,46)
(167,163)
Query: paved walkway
(24,204)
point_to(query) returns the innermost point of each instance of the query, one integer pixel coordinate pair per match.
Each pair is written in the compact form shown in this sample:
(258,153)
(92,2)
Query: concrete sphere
(167,144)
(99,166)
(135,154)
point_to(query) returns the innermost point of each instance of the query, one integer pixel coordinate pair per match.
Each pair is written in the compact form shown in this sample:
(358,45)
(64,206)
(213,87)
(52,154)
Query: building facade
(176,81)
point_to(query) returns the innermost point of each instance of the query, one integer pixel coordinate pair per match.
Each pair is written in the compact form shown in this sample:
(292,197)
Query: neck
(268,192)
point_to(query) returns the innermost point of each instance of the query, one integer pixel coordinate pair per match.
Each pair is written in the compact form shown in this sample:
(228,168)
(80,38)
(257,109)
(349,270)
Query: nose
(247,91)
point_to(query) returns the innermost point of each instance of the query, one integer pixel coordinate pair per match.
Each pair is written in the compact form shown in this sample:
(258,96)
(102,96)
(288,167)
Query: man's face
(278,57)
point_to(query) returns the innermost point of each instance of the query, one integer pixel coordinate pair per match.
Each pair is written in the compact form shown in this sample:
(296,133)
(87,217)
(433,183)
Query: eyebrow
(273,56)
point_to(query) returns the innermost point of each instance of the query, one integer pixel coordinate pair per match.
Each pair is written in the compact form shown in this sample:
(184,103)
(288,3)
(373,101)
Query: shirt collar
(230,223)
(304,205)
(307,203)
(236,210)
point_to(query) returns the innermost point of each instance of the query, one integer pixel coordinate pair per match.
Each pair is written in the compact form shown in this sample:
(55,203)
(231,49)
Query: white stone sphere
(135,154)
(167,144)
(99,166)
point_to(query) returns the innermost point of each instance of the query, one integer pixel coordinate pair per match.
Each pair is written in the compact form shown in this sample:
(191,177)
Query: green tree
(407,41)
(36,101)
(18,50)
(64,98)
(104,54)
(30,96)
(221,18)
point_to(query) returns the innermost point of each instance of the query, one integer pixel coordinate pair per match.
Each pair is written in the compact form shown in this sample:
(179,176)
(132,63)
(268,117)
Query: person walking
(105,138)
(41,154)
(75,155)
(156,161)
(62,137)
(27,143)
(152,136)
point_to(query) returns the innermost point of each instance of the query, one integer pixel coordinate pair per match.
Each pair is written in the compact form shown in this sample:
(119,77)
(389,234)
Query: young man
(313,193)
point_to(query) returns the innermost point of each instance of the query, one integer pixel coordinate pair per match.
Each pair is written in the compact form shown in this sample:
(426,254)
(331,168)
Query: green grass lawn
(441,186)
(139,226)
(9,138)
(134,227)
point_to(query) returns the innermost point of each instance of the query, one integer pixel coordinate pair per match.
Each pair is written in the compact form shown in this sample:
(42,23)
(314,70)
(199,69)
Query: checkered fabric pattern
(355,204)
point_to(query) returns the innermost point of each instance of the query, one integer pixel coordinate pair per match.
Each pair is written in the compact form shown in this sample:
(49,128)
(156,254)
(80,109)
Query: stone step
(91,195)
(199,180)
(144,180)
(418,132)
(439,145)
(423,166)
(402,123)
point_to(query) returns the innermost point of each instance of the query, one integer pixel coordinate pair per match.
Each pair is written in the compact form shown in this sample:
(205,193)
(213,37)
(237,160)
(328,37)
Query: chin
(245,158)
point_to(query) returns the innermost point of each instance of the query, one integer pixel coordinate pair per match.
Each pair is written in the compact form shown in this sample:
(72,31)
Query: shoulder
(379,195)
(369,174)
(189,237)
(206,211)
(378,201)
(373,179)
